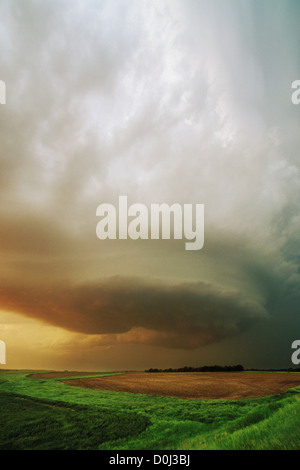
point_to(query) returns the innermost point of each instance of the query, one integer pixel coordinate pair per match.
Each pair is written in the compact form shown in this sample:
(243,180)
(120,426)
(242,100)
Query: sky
(164,101)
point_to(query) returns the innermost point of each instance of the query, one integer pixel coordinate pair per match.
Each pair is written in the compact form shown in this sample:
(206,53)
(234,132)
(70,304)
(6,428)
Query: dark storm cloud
(163,101)
(185,315)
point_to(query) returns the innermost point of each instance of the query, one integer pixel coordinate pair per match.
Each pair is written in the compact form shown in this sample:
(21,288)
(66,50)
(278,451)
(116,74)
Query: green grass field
(48,414)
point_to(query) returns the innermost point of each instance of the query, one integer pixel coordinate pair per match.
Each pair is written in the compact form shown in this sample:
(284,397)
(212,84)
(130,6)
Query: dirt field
(196,385)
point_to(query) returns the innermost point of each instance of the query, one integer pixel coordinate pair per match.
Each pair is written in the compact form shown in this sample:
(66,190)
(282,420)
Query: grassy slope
(47,414)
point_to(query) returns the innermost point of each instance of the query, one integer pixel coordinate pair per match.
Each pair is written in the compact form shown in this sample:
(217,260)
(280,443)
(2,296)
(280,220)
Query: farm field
(56,413)
(195,385)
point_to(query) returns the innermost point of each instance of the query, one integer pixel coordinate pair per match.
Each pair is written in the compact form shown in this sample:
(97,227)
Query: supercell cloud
(165,102)
(187,315)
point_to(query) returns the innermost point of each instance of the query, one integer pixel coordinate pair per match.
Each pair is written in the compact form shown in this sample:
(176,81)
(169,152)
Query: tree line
(237,368)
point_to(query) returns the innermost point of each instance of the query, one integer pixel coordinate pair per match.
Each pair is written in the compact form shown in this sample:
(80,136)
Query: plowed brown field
(196,385)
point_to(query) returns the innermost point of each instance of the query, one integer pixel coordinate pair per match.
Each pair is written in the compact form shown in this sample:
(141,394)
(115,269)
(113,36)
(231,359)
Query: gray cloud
(186,315)
(165,101)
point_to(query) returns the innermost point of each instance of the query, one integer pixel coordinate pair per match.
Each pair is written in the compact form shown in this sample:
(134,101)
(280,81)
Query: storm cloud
(166,101)
(187,315)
